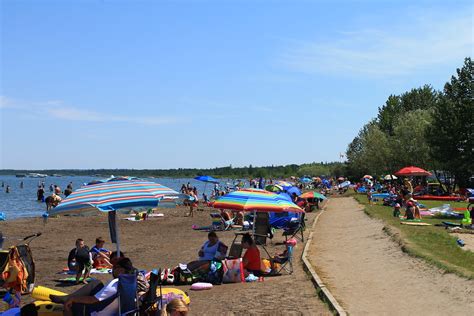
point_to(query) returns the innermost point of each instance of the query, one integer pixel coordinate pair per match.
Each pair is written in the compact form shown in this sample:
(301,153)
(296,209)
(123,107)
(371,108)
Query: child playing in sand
(80,260)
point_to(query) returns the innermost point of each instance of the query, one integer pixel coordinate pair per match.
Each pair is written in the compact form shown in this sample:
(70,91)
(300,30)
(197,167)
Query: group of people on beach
(402,191)
(99,299)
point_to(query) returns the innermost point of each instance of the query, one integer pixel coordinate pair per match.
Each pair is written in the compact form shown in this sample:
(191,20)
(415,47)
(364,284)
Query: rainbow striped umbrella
(313,195)
(256,200)
(113,196)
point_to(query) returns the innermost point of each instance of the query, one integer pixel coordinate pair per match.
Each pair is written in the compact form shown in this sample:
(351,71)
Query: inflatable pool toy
(47,308)
(199,286)
(437,198)
(42,293)
(3,217)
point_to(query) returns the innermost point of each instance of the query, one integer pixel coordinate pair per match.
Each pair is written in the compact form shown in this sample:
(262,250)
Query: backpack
(82,255)
(15,274)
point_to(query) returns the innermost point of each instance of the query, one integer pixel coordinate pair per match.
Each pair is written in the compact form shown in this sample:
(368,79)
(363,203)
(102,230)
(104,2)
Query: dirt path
(369,274)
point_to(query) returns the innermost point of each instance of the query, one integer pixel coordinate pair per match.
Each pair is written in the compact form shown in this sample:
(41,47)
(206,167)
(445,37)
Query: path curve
(369,274)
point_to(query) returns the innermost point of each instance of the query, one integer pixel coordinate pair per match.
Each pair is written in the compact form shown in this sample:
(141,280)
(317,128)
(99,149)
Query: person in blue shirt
(100,255)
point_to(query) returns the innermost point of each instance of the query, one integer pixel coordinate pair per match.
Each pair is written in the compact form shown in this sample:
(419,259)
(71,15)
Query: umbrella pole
(118,234)
(254,221)
(114,230)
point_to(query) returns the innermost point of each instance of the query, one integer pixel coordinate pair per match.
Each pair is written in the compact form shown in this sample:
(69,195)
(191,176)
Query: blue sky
(169,84)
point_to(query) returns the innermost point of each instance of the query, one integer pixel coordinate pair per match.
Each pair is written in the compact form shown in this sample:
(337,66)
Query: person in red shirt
(251,258)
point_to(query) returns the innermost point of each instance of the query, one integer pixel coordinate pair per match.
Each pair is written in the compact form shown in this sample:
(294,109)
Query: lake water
(22,202)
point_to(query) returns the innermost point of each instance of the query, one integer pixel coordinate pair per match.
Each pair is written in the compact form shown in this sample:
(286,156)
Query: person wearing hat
(95,298)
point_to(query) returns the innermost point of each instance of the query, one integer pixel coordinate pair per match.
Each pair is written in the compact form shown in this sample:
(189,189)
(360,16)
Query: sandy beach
(164,242)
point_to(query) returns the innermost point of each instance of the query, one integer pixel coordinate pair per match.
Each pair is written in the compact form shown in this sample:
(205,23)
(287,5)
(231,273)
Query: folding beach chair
(295,229)
(287,263)
(127,294)
(219,223)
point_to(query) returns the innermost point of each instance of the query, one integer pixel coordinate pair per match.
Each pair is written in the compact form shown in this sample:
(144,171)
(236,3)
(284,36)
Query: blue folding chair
(287,264)
(127,294)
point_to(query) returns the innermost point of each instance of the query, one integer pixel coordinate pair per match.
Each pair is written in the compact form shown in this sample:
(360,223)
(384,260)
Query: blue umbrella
(113,196)
(306,180)
(292,190)
(206,179)
(285,196)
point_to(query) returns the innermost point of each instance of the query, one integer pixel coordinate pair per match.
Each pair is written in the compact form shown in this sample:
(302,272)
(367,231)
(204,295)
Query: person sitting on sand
(176,307)
(251,259)
(95,296)
(101,255)
(212,249)
(80,260)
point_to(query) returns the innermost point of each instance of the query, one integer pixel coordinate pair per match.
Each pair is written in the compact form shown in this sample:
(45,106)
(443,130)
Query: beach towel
(71,280)
(93,271)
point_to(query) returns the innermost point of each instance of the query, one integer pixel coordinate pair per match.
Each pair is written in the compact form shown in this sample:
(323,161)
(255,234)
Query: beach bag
(15,274)
(27,259)
(233,271)
(82,255)
(182,276)
(215,273)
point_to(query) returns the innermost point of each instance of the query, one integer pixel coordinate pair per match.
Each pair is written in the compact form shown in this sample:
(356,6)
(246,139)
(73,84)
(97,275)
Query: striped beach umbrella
(256,201)
(113,197)
(313,195)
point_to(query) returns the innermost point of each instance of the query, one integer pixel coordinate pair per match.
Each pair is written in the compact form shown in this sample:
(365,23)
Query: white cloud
(426,41)
(56,109)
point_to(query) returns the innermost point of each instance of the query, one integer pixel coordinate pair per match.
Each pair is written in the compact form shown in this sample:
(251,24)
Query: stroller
(22,253)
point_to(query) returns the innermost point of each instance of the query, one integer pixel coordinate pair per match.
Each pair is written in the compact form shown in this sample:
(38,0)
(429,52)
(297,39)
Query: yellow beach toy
(44,306)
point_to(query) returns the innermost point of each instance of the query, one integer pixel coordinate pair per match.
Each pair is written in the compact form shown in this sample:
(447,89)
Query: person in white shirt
(96,298)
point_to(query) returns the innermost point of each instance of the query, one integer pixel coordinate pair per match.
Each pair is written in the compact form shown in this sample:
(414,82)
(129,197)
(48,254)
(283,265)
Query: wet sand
(165,242)
(369,274)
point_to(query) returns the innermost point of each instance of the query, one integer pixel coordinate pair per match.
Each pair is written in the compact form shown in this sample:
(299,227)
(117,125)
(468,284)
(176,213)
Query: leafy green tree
(409,143)
(452,136)
(421,98)
(377,153)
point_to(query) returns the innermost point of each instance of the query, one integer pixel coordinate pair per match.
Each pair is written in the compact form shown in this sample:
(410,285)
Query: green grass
(431,243)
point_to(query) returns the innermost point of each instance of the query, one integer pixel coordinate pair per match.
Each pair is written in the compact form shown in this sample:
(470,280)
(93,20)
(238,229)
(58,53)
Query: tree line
(423,127)
(310,169)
